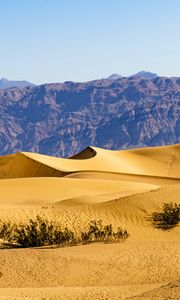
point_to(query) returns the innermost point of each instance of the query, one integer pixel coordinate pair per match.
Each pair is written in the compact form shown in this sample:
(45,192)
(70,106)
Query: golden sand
(119,187)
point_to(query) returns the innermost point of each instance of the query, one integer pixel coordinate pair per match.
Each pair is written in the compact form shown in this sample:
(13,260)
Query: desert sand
(119,187)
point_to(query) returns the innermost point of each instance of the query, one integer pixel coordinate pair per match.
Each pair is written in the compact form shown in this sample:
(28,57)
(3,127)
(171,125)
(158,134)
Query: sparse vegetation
(168,218)
(98,232)
(41,232)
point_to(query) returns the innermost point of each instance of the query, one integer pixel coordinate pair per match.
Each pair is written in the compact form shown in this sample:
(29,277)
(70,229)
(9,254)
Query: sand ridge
(157,161)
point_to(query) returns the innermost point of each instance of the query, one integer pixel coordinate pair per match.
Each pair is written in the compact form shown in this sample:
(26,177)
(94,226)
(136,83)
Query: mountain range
(61,119)
(5,83)
(141,74)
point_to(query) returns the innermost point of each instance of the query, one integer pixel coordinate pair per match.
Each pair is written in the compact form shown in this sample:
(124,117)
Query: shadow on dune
(84,154)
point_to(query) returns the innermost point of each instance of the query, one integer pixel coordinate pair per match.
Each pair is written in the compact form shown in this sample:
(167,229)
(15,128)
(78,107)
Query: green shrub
(168,218)
(41,232)
(38,232)
(7,231)
(121,234)
(171,213)
(98,232)
(65,236)
(85,237)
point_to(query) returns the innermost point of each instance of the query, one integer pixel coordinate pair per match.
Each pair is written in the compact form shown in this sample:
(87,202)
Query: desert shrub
(65,236)
(85,237)
(37,232)
(96,230)
(121,234)
(168,218)
(104,233)
(171,213)
(40,232)
(7,231)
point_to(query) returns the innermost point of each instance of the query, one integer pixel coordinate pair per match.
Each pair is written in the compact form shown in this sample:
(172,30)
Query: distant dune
(119,187)
(155,161)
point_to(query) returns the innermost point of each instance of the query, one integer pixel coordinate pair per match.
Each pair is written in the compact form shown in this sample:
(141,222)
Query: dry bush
(40,232)
(103,233)
(168,218)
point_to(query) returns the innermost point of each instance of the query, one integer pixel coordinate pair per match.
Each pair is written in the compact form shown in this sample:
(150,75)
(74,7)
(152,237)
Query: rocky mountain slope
(62,119)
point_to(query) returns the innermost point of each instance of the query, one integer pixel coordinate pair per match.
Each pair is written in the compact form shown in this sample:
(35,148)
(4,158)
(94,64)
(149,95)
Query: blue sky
(59,40)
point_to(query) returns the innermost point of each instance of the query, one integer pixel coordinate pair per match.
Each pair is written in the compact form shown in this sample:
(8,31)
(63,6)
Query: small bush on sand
(7,231)
(168,218)
(41,232)
(37,232)
(97,232)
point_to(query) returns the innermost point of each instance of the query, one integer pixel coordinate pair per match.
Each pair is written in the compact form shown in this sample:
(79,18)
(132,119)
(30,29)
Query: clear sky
(79,40)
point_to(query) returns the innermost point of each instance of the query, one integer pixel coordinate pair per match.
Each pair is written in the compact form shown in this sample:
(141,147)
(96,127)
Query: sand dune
(156,161)
(53,189)
(157,180)
(119,187)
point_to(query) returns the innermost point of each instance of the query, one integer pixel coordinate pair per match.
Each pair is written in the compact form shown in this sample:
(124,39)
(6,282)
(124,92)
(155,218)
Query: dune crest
(156,161)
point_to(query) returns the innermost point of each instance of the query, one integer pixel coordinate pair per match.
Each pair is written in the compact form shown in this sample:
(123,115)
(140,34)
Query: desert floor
(119,187)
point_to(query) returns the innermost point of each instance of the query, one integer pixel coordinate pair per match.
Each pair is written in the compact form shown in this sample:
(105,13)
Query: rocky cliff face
(62,119)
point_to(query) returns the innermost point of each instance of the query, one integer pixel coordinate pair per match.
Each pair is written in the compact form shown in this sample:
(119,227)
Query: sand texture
(119,187)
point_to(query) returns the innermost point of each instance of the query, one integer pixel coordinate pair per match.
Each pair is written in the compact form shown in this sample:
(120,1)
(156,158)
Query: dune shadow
(84,154)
